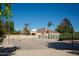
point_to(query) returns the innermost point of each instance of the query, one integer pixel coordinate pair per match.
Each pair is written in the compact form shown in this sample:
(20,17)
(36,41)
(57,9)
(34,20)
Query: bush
(68,36)
(65,36)
(5,30)
(1,35)
(76,35)
(1,39)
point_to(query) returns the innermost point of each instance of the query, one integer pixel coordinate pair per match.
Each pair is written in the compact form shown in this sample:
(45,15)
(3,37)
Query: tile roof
(45,30)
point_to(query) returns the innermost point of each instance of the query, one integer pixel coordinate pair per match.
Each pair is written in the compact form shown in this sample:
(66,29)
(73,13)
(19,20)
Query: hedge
(68,36)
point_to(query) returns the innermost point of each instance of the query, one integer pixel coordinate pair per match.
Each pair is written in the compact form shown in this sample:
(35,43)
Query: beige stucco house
(44,32)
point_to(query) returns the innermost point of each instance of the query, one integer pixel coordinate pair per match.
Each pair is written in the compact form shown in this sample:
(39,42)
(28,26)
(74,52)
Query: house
(44,31)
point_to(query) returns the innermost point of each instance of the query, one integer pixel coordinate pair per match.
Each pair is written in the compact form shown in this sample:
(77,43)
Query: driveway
(42,47)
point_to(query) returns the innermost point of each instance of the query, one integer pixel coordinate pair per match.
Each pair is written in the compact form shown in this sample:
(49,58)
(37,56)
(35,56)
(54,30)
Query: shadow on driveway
(7,51)
(65,46)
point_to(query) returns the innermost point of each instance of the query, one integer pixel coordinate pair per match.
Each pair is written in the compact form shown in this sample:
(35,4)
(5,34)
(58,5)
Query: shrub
(1,36)
(1,39)
(65,36)
(68,36)
(76,35)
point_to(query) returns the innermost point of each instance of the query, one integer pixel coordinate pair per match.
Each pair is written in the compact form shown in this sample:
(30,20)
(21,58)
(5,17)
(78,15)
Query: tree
(0,11)
(26,29)
(11,23)
(1,23)
(12,27)
(65,26)
(5,12)
(66,29)
(49,24)
(1,28)
(8,11)
(8,14)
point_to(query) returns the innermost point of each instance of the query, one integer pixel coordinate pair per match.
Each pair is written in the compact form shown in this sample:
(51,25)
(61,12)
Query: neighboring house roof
(45,30)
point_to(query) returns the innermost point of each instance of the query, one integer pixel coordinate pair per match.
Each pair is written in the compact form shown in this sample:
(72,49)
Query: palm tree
(8,14)
(49,25)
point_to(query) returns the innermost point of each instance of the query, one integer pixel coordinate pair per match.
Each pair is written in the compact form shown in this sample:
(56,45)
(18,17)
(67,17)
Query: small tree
(26,29)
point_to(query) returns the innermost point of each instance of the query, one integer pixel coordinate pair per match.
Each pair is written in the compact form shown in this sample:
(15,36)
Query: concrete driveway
(36,47)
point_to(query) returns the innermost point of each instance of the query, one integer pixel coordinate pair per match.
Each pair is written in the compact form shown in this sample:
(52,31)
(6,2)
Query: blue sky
(38,15)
